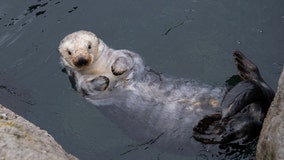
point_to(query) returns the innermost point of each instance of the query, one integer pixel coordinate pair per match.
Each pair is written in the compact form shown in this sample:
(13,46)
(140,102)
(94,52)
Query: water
(186,38)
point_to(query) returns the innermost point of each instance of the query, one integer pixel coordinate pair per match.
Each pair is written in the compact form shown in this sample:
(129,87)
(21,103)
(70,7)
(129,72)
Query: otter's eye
(69,52)
(89,46)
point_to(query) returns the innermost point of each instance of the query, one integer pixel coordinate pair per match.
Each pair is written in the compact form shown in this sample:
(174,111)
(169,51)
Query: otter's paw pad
(121,65)
(99,83)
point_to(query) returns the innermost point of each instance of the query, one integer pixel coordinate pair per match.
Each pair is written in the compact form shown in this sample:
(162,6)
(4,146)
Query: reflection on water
(185,39)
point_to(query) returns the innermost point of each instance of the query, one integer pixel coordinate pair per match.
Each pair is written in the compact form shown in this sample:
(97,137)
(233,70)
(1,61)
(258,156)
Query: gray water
(185,38)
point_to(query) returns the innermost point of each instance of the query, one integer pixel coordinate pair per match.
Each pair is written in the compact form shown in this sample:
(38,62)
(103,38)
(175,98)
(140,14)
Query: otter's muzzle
(81,61)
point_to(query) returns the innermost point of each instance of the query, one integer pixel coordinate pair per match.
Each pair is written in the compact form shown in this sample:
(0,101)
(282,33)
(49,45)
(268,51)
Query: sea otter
(174,112)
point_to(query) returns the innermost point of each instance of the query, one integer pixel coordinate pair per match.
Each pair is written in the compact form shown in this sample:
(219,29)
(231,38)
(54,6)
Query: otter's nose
(81,62)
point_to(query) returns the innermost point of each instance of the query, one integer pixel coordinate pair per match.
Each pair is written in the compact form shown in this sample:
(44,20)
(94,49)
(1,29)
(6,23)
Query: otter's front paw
(99,83)
(121,65)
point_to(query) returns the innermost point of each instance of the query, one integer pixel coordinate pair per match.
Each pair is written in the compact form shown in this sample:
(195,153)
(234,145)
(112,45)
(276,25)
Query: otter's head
(79,49)
(99,68)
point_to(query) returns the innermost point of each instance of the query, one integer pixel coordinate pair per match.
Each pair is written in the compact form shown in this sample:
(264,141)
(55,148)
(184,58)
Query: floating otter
(170,112)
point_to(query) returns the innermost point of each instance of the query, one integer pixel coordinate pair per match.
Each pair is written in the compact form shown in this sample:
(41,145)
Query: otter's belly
(168,111)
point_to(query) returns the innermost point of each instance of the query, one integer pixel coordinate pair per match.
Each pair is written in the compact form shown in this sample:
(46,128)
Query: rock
(271,142)
(22,140)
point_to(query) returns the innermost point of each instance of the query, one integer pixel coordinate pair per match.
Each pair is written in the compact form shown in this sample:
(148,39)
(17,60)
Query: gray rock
(22,140)
(271,142)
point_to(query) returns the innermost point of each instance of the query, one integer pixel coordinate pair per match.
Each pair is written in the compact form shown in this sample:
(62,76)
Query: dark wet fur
(244,108)
(71,76)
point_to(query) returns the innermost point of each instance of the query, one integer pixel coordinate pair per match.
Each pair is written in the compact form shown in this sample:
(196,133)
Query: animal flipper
(252,89)
(247,70)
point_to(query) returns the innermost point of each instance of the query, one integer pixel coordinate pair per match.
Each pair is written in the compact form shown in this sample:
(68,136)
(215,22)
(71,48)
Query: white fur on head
(79,44)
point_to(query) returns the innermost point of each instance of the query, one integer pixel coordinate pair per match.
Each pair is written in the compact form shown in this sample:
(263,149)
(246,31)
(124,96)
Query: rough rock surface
(271,142)
(22,140)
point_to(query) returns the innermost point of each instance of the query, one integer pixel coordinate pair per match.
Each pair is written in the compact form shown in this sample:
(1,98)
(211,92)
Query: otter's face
(93,66)
(79,49)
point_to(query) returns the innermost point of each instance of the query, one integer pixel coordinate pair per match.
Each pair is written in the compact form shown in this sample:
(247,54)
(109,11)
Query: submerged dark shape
(244,108)
(146,104)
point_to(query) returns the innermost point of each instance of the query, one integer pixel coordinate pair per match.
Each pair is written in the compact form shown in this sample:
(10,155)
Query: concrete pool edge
(271,143)
(22,140)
